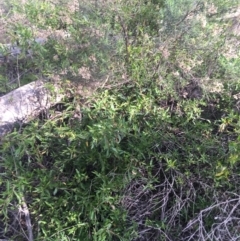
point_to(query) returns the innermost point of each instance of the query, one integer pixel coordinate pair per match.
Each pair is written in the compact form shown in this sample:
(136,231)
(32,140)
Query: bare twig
(23,209)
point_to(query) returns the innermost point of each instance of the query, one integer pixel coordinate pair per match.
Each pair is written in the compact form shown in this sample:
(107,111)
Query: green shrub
(153,155)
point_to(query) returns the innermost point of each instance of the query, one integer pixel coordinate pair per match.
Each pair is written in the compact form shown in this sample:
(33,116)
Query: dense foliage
(154,153)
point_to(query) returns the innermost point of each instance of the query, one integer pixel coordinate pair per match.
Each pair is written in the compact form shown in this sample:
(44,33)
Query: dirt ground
(8,17)
(4,12)
(86,76)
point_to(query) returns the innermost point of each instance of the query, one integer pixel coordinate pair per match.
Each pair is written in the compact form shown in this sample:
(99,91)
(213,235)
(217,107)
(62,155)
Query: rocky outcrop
(25,103)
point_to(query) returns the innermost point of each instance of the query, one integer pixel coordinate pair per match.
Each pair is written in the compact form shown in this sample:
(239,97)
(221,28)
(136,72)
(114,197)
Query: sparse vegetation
(153,153)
